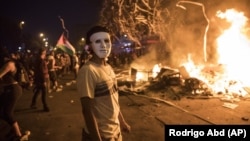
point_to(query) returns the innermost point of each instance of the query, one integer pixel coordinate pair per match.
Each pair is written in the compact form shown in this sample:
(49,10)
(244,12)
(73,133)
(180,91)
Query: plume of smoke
(180,29)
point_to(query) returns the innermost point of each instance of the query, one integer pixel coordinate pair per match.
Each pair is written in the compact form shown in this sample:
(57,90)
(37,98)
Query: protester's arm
(6,68)
(90,118)
(124,125)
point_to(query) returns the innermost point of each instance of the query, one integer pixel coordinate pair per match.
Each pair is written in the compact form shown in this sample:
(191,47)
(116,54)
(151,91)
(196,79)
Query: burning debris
(174,84)
(222,74)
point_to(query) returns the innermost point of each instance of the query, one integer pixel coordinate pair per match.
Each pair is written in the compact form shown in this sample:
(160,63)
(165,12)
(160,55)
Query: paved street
(146,115)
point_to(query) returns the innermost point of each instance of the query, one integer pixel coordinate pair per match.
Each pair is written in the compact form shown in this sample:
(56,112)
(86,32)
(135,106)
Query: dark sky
(42,15)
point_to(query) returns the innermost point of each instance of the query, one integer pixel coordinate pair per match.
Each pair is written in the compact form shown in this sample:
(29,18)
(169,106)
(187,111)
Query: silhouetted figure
(41,79)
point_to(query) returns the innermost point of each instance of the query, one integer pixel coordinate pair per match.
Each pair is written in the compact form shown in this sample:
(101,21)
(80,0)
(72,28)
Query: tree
(181,26)
(140,19)
(136,18)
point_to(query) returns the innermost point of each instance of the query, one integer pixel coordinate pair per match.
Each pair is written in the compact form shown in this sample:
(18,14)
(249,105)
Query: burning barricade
(227,77)
(174,84)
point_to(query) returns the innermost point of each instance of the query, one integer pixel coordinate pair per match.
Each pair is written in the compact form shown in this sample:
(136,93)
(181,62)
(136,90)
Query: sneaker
(58,90)
(54,87)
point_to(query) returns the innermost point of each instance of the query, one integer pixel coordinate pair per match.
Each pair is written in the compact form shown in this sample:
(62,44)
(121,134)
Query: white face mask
(101,44)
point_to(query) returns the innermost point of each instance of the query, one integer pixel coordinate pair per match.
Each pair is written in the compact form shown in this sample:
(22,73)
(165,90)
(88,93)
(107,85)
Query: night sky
(42,16)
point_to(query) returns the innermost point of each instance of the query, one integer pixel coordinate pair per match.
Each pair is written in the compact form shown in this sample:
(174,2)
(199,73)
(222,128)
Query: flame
(156,70)
(233,48)
(230,74)
(144,75)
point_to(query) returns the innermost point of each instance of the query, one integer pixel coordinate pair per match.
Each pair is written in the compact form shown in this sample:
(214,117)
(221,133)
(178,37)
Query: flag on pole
(65,45)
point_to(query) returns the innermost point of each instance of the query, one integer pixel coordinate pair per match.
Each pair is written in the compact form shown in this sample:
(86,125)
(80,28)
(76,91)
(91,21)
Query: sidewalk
(146,115)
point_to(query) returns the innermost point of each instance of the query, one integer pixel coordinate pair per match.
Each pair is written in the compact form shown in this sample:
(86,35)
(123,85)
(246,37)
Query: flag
(65,45)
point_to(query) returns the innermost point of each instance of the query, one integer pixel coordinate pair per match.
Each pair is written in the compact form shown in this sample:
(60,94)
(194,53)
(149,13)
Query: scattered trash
(245,119)
(230,105)
(68,83)
(228,99)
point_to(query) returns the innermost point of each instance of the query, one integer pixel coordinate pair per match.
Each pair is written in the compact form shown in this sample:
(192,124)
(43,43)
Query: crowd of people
(44,67)
(94,76)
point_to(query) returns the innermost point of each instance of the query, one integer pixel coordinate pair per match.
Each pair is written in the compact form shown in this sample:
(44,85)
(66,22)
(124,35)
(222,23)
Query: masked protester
(97,87)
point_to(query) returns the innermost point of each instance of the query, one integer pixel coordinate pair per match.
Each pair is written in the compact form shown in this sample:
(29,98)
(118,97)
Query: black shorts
(52,76)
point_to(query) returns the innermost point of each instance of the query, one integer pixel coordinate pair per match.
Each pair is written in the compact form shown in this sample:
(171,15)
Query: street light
(21,36)
(21,24)
(81,44)
(44,39)
(41,35)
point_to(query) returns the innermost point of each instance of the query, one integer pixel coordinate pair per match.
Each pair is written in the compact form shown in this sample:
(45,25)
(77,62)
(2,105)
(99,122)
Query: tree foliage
(136,18)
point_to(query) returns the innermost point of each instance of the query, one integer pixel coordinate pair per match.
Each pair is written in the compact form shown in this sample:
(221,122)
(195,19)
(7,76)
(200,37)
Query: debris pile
(171,84)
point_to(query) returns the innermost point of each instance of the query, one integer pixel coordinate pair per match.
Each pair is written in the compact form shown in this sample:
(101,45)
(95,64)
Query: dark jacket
(41,72)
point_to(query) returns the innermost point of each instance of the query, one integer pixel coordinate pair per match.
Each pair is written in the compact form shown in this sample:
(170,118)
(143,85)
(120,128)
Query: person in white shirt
(98,90)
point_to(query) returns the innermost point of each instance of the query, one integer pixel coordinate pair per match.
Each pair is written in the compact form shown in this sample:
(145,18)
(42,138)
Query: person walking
(52,72)
(98,90)
(41,79)
(11,91)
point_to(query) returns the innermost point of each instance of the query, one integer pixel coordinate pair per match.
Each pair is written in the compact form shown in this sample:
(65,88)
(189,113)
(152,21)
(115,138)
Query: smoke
(183,34)
(147,61)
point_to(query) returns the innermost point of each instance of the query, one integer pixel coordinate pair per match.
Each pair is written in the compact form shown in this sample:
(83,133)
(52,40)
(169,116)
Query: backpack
(22,76)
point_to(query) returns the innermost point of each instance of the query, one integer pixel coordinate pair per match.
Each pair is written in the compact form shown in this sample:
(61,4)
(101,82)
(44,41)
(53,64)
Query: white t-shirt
(99,83)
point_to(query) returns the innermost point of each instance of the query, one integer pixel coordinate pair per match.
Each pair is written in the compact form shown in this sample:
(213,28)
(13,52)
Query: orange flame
(233,47)
(144,75)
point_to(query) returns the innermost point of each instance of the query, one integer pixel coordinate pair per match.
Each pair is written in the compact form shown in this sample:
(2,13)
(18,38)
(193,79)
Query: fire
(144,75)
(233,47)
(230,74)
(156,70)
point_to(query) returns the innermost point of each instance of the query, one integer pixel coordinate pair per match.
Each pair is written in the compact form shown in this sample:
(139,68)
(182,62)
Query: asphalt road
(147,115)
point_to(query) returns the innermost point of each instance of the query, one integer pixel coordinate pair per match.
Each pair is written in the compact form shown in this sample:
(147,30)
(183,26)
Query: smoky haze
(183,34)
